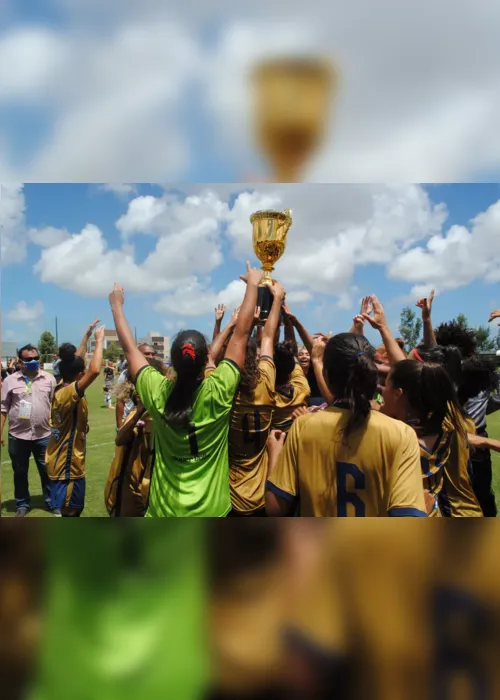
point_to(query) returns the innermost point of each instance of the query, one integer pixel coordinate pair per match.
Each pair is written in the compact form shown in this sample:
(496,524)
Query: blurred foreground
(262,609)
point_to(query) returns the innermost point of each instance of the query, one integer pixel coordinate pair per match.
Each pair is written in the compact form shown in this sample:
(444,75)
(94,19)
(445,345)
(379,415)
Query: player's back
(68,422)
(374,472)
(249,429)
(290,397)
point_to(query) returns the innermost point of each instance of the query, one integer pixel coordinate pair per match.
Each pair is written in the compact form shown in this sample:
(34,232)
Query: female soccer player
(303,353)
(251,419)
(422,395)
(346,460)
(191,413)
(68,420)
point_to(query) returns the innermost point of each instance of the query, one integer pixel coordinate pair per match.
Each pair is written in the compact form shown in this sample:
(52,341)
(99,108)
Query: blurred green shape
(125,611)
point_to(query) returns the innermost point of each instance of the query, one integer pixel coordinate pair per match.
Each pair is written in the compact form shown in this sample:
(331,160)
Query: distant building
(160,343)
(9,350)
(110,337)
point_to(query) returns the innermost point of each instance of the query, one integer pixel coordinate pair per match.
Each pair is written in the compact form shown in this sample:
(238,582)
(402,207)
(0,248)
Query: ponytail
(351,375)
(189,358)
(430,394)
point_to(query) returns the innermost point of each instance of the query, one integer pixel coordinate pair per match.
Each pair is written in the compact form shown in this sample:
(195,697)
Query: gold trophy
(292,100)
(270,229)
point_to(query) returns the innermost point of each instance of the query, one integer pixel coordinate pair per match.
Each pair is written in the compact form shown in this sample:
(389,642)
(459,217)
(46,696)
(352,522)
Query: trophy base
(265,301)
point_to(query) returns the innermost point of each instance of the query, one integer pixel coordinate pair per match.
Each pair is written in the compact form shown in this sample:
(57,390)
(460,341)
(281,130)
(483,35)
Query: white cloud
(47,236)
(419,104)
(24,313)
(12,225)
(120,189)
(455,258)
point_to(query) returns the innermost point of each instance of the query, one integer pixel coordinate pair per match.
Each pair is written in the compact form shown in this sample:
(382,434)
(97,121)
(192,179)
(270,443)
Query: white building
(160,343)
(110,337)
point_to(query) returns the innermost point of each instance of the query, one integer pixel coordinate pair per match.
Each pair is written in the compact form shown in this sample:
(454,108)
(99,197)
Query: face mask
(32,365)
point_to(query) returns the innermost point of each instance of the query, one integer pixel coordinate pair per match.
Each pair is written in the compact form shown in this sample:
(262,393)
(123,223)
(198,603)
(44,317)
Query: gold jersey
(127,487)
(290,397)
(377,473)
(68,422)
(249,429)
(457,498)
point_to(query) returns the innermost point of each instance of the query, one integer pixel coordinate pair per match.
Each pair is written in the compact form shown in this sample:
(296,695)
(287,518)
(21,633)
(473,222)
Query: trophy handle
(288,222)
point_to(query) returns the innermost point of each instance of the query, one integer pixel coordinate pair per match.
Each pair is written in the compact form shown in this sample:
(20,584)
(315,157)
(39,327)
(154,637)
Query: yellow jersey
(419,606)
(433,463)
(127,488)
(249,429)
(457,498)
(377,473)
(290,397)
(69,426)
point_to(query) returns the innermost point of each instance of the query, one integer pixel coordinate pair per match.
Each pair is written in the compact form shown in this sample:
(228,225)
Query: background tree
(484,342)
(47,346)
(113,353)
(410,327)
(462,320)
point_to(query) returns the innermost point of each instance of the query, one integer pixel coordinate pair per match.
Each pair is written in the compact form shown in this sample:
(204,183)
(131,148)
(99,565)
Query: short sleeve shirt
(191,471)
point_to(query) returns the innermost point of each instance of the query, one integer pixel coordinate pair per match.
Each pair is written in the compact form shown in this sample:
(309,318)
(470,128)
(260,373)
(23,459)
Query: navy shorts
(69,493)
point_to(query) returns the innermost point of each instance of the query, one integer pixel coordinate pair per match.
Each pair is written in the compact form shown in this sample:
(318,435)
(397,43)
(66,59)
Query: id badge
(25,408)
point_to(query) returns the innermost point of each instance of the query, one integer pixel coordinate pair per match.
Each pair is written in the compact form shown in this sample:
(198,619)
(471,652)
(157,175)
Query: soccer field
(100,449)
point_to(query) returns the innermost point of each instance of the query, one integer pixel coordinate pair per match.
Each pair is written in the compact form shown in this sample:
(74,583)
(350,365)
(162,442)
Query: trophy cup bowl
(270,229)
(292,100)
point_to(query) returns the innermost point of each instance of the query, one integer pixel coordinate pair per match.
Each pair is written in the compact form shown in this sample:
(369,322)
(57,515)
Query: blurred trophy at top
(270,229)
(292,101)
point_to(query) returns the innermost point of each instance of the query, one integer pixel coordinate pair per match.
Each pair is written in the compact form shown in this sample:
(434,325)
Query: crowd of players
(254,424)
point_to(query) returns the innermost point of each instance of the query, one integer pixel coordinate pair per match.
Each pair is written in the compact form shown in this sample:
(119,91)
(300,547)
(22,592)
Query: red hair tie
(415,352)
(188,349)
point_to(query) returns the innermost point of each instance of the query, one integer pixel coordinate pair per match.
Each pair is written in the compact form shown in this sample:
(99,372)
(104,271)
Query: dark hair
(430,394)
(448,357)
(189,358)
(250,374)
(28,348)
(71,363)
(284,361)
(351,374)
(478,374)
(452,333)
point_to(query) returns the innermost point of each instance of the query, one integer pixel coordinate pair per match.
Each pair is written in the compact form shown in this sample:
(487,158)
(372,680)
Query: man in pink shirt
(26,400)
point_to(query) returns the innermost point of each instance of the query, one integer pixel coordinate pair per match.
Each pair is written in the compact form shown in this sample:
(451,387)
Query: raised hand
(99,334)
(277,290)
(117,296)
(234,315)
(220,310)
(494,315)
(378,320)
(90,329)
(252,276)
(318,346)
(366,303)
(256,315)
(300,411)
(425,303)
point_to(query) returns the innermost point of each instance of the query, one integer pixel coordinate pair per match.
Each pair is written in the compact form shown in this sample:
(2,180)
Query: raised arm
(317,355)
(288,323)
(220,310)
(82,350)
(379,321)
(269,332)
(94,369)
(237,348)
(358,322)
(220,340)
(135,358)
(426,305)
(304,335)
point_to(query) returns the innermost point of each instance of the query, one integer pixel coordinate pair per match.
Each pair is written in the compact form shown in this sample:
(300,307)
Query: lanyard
(29,383)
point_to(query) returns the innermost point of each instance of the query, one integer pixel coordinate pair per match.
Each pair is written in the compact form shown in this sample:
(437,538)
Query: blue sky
(71,207)
(103,91)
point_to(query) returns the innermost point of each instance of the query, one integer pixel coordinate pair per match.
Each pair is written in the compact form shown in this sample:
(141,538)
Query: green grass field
(100,446)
